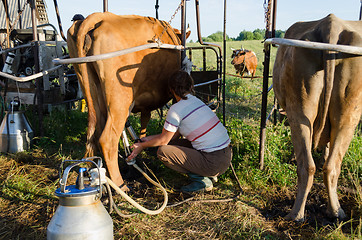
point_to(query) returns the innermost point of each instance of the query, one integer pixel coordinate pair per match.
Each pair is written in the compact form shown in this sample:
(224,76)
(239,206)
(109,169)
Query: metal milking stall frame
(270,16)
(44,71)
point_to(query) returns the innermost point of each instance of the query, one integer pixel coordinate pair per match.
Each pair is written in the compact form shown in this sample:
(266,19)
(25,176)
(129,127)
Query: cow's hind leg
(301,137)
(109,142)
(341,137)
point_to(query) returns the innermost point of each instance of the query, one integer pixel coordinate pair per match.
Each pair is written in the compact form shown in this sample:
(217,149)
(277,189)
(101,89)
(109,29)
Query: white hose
(103,56)
(31,77)
(315,45)
(134,203)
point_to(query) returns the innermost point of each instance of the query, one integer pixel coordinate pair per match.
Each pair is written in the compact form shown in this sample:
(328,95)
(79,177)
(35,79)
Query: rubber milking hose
(134,203)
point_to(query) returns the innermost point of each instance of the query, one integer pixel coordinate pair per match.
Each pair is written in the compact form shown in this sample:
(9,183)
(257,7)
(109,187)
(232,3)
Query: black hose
(59,21)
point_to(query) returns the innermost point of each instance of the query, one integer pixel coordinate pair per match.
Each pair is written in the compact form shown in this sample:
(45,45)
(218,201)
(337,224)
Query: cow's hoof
(294,217)
(337,214)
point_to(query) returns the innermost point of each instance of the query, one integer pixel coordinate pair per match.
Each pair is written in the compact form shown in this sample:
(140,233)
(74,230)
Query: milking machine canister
(80,214)
(15,131)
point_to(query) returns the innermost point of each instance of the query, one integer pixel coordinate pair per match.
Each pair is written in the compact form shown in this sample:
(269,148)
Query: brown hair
(181,83)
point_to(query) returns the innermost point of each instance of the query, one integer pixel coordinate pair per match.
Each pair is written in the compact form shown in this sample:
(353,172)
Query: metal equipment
(80,214)
(16,133)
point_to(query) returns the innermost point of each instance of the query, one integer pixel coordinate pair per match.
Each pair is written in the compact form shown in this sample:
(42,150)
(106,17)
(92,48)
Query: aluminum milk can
(80,214)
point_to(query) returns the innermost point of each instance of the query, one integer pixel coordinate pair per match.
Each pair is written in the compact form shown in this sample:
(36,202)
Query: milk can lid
(73,191)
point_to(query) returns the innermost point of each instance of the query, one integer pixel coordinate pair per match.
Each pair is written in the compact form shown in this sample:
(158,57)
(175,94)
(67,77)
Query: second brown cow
(244,61)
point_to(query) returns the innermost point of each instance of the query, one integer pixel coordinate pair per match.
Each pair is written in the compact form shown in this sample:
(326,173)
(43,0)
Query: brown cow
(244,61)
(113,87)
(321,92)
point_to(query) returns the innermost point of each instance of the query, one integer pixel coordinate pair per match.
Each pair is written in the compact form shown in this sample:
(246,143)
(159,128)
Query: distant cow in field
(116,86)
(321,92)
(244,61)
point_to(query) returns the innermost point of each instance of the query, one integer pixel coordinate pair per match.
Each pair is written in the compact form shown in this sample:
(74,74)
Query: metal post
(183,29)
(19,11)
(156,7)
(274,17)
(268,34)
(224,67)
(105,5)
(360,12)
(39,93)
(7,19)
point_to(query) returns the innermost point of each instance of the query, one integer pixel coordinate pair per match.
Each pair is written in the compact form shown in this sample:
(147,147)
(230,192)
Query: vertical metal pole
(39,84)
(19,9)
(273,35)
(183,29)
(274,17)
(360,12)
(204,59)
(224,67)
(34,21)
(156,7)
(7,19)
(268,34)
(105,5)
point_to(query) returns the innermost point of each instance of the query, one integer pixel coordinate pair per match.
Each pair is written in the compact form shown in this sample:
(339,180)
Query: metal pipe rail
(94,58)
(29,78)
(17,47)
(206,83)
(314,45)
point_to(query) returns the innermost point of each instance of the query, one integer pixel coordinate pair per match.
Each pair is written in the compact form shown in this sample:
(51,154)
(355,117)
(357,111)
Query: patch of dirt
(279,205)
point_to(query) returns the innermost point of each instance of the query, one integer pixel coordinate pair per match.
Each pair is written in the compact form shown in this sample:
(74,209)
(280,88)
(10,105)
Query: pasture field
(28,179)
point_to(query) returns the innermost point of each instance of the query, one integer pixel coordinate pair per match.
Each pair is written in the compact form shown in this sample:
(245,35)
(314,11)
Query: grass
(29,179)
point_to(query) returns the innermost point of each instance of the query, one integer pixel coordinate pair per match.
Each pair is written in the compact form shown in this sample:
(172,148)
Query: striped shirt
(198,124)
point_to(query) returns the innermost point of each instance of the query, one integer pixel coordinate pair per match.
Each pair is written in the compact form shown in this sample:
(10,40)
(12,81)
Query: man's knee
(162,153)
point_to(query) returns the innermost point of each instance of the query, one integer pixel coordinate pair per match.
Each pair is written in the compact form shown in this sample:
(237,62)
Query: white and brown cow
(113,87)
(321,92)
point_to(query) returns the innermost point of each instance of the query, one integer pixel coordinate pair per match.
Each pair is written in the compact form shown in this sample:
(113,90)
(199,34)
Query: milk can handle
(63,180)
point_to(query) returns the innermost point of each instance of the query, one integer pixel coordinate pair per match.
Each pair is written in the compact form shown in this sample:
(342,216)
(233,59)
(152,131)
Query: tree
(216,37)
(279,34)
(259,34)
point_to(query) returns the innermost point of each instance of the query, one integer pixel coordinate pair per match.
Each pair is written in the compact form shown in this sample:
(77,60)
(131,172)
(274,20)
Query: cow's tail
(83,43)
(329,68)
(329,62)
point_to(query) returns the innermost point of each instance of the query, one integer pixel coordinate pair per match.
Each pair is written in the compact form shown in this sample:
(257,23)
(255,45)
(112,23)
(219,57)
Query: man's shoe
(199,183)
